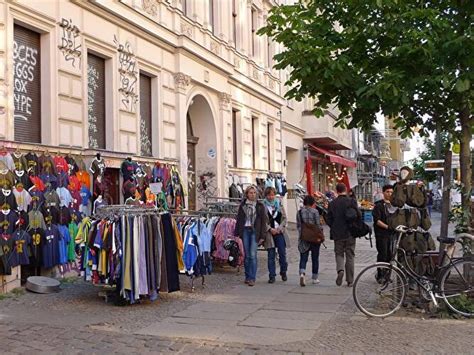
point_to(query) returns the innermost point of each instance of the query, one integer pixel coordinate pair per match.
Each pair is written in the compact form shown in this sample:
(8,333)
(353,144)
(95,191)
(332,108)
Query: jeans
(250,250)
(279,241)
(345,248)
(314,249)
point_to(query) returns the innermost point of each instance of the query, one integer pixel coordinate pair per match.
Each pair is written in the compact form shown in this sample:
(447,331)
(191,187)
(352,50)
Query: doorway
(192,142)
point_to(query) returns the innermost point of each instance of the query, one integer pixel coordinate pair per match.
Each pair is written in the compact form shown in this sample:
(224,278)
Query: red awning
(333,157)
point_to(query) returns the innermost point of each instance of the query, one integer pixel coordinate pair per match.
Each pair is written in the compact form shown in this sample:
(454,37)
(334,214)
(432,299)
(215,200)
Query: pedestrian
(250,227)
(310,215)
(429,203)
(383,234)
(277,237)
(344,243)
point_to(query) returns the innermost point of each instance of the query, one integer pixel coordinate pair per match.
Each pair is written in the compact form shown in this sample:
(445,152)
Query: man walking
(383,235)
(344,243)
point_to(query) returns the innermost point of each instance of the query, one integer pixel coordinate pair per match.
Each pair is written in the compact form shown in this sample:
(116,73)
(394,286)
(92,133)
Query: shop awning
(333,157)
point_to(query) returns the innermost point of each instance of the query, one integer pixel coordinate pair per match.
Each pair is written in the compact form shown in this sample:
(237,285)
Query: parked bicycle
(452,280)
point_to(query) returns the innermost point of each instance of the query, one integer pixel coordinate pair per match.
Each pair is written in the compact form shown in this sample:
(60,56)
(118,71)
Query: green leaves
(463,85)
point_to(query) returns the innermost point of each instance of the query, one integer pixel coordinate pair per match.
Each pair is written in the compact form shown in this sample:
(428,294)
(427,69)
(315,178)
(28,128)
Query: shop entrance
(202,152)
(112,193)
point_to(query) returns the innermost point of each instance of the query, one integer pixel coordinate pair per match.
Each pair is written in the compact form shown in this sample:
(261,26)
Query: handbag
(311,233)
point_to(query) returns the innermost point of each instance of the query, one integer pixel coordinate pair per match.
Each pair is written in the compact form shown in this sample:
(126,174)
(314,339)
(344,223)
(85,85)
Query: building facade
(185,82)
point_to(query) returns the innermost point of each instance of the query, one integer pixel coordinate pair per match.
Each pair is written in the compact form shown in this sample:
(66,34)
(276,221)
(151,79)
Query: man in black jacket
(383,234)
(344,243)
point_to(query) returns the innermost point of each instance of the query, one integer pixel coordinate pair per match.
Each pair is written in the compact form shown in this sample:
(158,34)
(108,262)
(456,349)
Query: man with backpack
(383,234)
(341,213)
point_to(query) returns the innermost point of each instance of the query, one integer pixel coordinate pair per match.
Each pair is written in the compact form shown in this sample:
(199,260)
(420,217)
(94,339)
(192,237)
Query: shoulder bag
(311,232)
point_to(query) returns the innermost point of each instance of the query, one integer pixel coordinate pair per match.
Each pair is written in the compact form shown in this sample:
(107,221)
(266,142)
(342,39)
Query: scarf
(275,204)
(250,209)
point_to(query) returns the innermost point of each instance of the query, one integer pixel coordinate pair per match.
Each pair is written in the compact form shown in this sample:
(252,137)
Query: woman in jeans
(277,237)
(308,214)
(251,228)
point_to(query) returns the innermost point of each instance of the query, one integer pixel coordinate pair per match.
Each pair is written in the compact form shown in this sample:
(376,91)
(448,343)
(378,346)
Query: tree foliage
(408,59)
(428,153)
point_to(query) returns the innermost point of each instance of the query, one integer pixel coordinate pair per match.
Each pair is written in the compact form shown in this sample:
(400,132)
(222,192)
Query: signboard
(438,164)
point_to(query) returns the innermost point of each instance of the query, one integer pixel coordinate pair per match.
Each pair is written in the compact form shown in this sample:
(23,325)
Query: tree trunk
(446,201)
(465,158)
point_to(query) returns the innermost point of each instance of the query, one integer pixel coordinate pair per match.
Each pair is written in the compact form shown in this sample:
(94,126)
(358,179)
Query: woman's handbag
(311,232)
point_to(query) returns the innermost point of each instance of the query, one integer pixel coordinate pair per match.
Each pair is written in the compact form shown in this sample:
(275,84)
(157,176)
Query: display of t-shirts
(37,197)
(46,164)
(225,230)
(74,183)
(50,179)
(50,247)
(63,243)
(6,161)
(51,199)
(71,250)
(38,183)
(8,198)
(64,216)
(85,196)
(23,221)
(23,199)
(7,179)
(21,244)
(64,195)
(8,221)
(51,214)
(61,164)
(97,167)
(21,177)
(6,247)
(32,163)
(76,199)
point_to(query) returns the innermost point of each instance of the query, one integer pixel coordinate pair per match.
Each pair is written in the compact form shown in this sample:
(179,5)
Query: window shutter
(145,115)
(27,85)
(96,101)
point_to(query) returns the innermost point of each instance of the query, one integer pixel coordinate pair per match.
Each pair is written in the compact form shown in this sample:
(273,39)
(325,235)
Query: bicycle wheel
(379,297)
(457,287)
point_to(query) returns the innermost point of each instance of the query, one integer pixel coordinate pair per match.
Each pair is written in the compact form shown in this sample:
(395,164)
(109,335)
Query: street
(227,316)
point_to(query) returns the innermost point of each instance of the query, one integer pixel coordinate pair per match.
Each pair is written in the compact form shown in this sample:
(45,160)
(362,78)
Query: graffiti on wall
(206,186)
(128,76)
(70,42)
(92,80)
(25,62)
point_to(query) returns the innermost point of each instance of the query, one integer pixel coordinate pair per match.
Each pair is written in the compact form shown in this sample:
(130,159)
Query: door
(191,176)
(112,192)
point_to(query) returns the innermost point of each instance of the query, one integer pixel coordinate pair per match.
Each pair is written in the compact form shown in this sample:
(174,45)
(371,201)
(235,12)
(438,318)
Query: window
(145,115)
(27,85)
(234,138)
(254,32)
(269,145)
(234,21)
(211,15)
(96,101)
(254,142)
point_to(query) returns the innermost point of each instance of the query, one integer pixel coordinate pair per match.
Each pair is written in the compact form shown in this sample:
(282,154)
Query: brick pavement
(279,318)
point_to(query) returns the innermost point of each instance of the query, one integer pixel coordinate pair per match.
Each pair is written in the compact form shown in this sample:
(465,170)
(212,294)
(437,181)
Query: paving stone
(179,330)
(280,323)
(312,299)
(218,307)
(227,316)
(263,336)
(303,307)
(238,299)
(201,321)
(276,314)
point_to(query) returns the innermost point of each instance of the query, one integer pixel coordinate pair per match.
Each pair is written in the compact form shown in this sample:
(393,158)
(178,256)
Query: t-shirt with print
(8,221)
(72,165)
(6,161)
(21,244)
(76,199)
(32,163)
(64,216)
(63,179)
(74,183)
(20,162)
(97,167)
(23,199)
(50,247)
(47,166)
(36,220)
(37,236)
(84,178)
(51,215)
(50,179)
(8,197)
(128,169)
(21,177)
(61,164)
(38,183)
(51,199)
(6,246)
(7,178)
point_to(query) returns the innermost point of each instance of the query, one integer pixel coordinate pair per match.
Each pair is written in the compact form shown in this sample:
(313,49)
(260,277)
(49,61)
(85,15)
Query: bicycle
(381,288)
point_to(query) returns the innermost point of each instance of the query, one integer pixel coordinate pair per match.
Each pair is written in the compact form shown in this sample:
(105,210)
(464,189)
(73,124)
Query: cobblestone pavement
(76,320)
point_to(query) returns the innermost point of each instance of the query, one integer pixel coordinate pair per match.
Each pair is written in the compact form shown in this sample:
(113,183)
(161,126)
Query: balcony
(322,133)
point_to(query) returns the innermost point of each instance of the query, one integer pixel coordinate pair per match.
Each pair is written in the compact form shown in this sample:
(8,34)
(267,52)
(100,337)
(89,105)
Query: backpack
(408,243)
(399,195)
(408,217)
(416,196)
(359,228)
(425,219)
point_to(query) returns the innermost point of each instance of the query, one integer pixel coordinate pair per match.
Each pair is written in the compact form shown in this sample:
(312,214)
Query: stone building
(185,82)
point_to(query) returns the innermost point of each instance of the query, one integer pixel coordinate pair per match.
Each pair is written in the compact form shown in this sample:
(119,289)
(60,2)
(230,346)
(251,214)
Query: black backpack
(359,228)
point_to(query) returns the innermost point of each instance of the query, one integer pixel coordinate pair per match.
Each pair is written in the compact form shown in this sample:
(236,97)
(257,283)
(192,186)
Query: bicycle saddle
(446,240)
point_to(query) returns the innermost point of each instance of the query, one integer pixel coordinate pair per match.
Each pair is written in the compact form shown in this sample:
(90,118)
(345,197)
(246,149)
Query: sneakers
(350,284)
(302,280)
(283,276)
(271,280)
(340,276)
(316,281)
(251,283)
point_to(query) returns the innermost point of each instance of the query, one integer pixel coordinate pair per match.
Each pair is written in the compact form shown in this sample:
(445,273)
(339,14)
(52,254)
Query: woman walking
(251,228)
(277,237)
(308,214)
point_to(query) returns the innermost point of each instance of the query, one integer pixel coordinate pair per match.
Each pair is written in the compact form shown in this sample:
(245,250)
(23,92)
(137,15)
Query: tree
(429,153)
(409,59)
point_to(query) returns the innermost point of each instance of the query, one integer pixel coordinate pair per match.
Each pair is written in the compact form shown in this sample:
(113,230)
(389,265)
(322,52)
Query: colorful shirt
(21,244)
(23,199)
(50,247)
